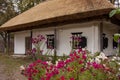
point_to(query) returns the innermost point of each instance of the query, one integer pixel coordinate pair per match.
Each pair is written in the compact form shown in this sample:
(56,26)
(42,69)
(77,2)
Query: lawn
(10,67)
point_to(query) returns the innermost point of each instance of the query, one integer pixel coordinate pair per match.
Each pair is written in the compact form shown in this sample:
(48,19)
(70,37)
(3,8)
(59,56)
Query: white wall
(90,31)
(19,41)
(110,29)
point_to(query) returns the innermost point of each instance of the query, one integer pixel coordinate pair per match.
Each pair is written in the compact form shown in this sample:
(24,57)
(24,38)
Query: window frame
(76,36)
(50,41)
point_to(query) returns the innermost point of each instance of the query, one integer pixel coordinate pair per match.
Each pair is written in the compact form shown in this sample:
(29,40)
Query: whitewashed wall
(90,31)
(110,29)
(19,41)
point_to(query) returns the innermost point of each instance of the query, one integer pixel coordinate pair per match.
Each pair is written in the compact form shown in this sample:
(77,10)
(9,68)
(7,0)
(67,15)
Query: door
(28,44)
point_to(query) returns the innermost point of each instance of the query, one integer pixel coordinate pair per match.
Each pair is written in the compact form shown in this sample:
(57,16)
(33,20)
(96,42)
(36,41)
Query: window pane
(50,41)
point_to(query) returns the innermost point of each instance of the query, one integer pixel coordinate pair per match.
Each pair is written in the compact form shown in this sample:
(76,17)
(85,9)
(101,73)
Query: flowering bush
(37,51)
(80,65)
(39,44)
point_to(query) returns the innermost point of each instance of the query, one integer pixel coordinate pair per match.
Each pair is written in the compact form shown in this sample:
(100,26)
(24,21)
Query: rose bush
(81,65)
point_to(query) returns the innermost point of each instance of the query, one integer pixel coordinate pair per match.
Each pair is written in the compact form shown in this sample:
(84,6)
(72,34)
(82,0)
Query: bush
(81,65)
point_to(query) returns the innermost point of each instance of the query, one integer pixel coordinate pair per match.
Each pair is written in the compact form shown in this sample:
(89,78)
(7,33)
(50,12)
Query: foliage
(11,8)
(36,52)
(7,10)
(81,65)
(24,5)
(113,12)
(117,39)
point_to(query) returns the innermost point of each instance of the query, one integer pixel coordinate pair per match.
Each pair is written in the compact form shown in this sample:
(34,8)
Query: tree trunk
(4,36)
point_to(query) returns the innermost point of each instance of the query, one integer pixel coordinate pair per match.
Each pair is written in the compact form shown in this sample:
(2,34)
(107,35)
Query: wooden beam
(55,45)
(62,22)
(31,35)
(101,36)
(8,42)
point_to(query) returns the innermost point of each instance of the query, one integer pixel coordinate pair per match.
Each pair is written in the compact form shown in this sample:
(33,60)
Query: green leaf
(118,11)
(112,13)
(116,37)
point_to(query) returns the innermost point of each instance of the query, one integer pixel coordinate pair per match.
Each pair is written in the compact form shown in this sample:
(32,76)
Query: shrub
(81,65)
(37,51)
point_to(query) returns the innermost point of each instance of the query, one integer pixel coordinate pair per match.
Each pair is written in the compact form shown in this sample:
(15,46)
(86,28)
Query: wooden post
(101,36)
(55,46)
(8,43)
(5,42)
(31,35)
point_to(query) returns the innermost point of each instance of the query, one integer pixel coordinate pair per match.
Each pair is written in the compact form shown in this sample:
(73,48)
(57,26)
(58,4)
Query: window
(50,41)
(105,41)
(78,41)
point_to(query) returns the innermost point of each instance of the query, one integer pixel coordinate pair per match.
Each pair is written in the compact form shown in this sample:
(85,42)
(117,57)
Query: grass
(12,65)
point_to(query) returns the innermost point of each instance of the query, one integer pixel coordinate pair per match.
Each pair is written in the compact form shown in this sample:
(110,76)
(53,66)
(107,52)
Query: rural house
(61,22)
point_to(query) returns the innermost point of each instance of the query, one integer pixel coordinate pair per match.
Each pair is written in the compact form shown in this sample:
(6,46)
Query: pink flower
(34,50)
(55,71)
(68,61)
(49,75)
(80,62)
(40,38)
(82,69)
(44,63)
(80,50)
(62,78)
(71,55)
(38,61)
(96,65)
(60,64)
(29,78)
(72,79)
(34,40)
(84,56)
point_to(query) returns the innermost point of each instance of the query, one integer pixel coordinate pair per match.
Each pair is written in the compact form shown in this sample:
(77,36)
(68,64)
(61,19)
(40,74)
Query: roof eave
(57,19)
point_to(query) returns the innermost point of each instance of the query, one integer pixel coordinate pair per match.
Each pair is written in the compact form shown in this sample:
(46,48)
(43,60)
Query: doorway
(28,44)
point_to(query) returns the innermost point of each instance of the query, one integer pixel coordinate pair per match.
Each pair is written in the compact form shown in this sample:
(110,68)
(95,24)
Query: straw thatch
(58,10)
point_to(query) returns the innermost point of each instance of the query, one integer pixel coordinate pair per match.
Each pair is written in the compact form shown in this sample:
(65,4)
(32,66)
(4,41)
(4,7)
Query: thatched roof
(58,10)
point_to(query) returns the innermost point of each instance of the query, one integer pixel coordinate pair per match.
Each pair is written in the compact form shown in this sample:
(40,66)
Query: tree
(24,5)
(11,8)
(7,11)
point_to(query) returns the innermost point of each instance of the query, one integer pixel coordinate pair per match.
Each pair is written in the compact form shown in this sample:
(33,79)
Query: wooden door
(28,44)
